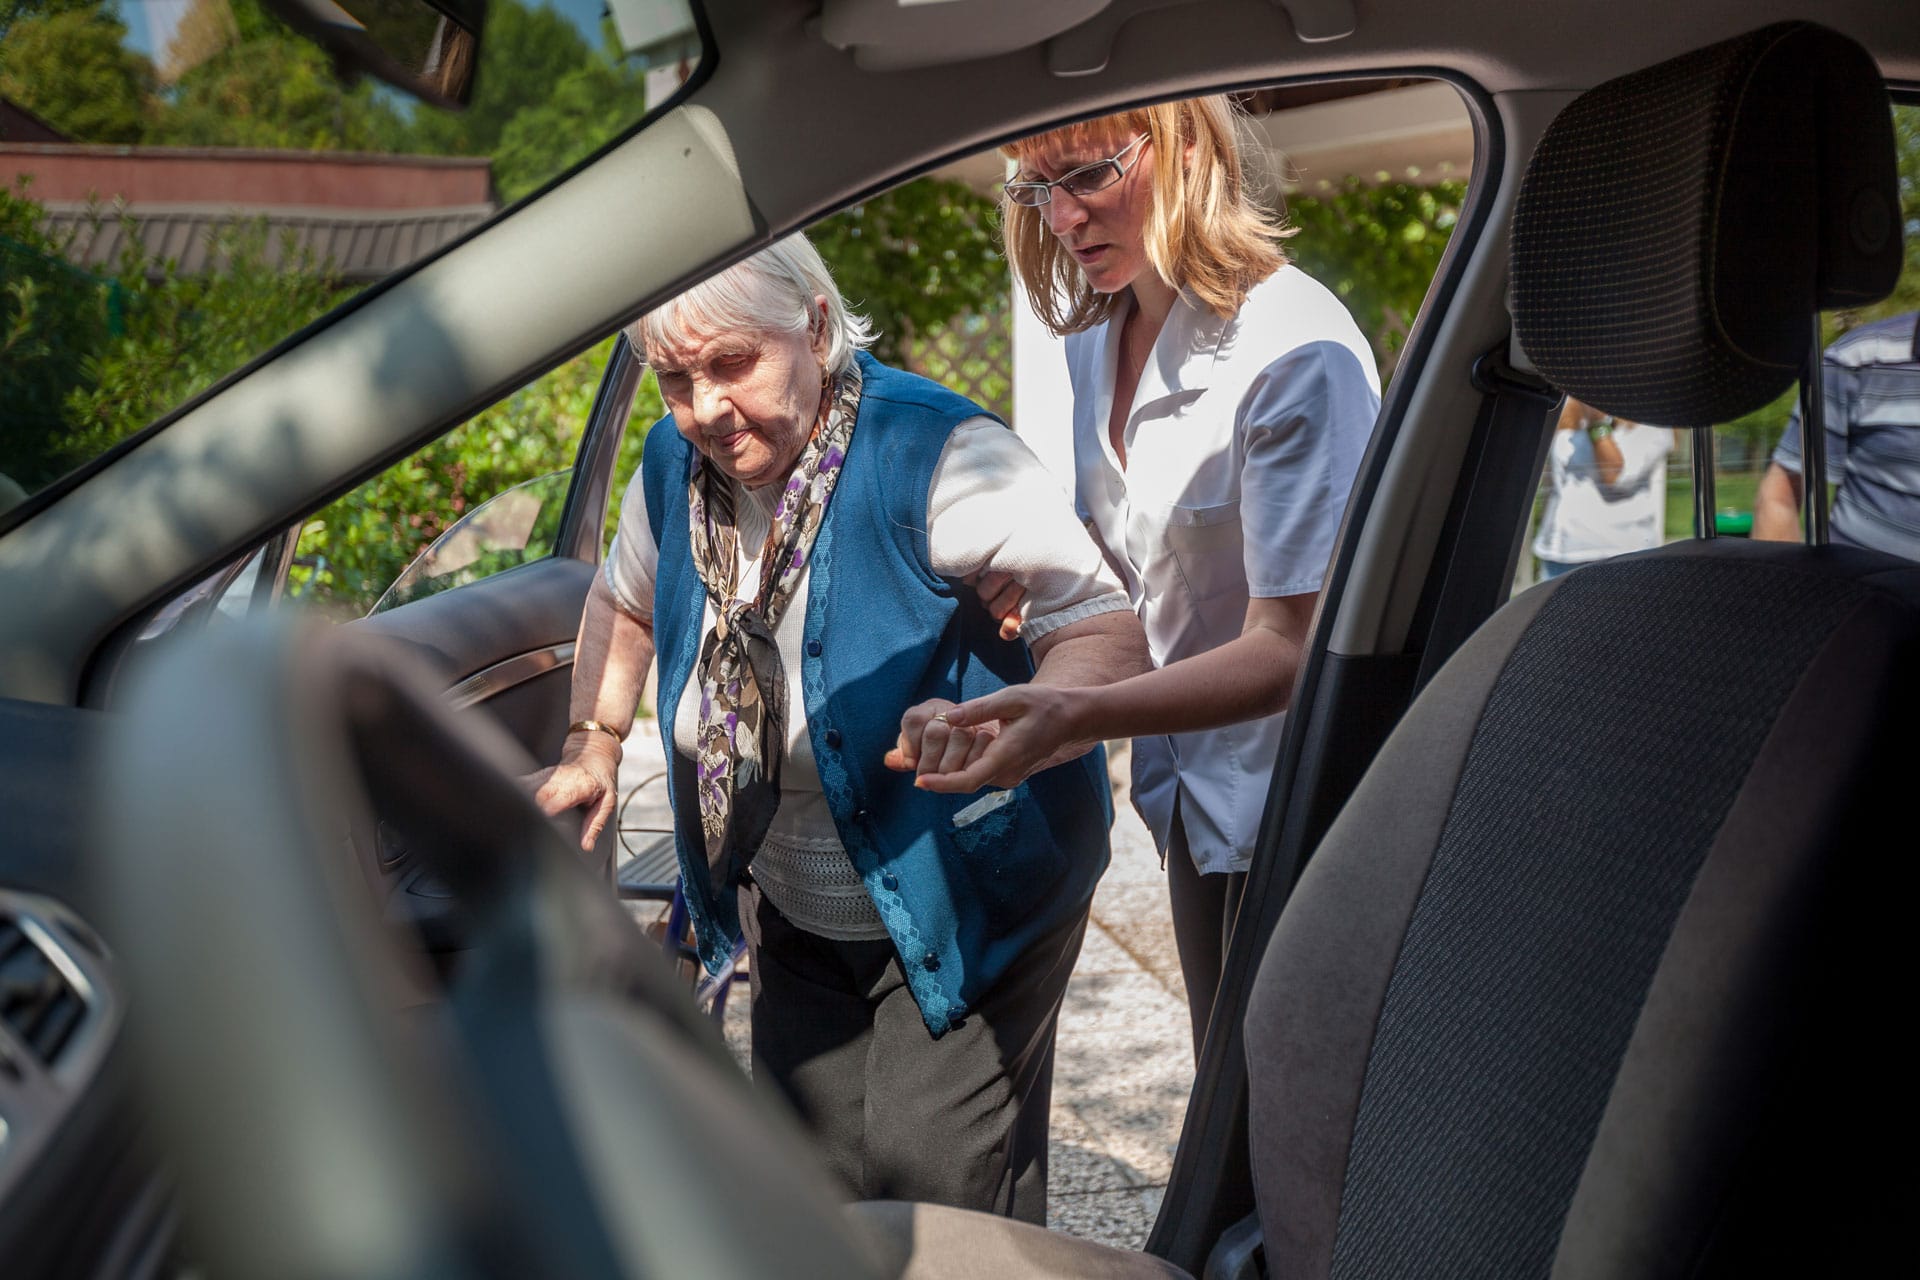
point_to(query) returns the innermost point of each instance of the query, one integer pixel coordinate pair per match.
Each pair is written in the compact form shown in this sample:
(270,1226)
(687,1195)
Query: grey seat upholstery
(1591,975)
(1588,977)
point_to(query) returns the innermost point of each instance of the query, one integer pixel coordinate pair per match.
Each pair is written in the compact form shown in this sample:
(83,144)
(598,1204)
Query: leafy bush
(916,259)
(1377,247)
(181,333)
(92,358)
(52,317)
(354,548)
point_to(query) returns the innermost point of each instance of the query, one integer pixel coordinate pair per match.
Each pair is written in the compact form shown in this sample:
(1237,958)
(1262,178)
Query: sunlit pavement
(1124,1058)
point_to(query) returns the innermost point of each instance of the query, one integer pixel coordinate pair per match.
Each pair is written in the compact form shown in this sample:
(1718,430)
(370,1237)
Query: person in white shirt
(1222,401)
(1605,499)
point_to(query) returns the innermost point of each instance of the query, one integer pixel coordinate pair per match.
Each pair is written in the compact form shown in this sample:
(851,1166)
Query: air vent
(37,1003)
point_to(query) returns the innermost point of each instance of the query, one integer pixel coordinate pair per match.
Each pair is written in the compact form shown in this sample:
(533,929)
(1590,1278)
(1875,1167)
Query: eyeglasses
(1084,181)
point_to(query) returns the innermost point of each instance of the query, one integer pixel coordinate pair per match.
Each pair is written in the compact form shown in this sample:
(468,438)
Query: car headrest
(1678,227)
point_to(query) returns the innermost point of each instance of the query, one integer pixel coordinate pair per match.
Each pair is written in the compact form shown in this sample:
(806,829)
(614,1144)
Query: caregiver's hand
(1016,733)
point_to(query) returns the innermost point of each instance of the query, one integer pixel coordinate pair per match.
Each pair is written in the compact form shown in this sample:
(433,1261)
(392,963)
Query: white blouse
(1242,444)
(1585,520)
(991,505)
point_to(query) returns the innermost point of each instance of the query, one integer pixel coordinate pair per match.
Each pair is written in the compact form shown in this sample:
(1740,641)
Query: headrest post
(1813,442)
(1704,503)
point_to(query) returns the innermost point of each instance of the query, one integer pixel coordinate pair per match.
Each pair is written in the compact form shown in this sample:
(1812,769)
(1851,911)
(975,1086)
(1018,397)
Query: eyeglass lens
(1081,182)
(1095,177)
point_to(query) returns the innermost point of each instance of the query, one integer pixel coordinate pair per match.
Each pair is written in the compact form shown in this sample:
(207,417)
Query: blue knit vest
(884,632)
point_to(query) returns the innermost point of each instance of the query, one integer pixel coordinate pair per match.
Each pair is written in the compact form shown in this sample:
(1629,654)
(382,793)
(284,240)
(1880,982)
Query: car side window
(1598,499)
(483,498)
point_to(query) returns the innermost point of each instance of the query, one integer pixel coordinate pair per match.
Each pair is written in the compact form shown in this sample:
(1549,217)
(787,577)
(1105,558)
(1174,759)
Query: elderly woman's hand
(929,745)
(587,777)
(1003,597)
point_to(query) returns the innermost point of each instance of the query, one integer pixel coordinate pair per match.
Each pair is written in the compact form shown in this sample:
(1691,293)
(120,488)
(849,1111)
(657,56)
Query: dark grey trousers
(1203,912)
(959,1121)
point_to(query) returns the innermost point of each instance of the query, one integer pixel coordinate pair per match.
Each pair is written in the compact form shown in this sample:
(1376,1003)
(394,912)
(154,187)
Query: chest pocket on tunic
(1206,544)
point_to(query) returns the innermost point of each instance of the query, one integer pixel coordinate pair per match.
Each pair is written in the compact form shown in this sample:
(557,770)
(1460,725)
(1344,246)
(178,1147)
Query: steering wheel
(566,1111)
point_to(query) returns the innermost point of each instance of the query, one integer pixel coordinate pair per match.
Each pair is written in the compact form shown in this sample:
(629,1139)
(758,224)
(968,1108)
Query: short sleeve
(993,505)
(634,557)
(1837,384)
(1643,453)
(1305,423)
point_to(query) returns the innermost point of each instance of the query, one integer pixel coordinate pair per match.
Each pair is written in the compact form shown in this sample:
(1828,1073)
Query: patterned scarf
(743,683)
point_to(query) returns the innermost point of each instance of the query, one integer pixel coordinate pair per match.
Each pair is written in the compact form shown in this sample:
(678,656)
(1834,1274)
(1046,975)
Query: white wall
(1042,395)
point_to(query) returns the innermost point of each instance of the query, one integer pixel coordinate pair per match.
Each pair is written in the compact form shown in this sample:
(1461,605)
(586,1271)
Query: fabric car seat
(1593,973)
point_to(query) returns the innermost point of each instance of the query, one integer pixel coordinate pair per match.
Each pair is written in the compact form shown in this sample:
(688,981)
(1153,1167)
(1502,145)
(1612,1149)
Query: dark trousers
(1203,912)
(961,1120)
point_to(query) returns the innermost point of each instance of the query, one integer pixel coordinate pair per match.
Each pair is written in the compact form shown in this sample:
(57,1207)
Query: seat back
(1590,975)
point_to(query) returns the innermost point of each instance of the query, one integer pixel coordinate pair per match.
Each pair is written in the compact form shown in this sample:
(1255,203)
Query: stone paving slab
(1124,1056)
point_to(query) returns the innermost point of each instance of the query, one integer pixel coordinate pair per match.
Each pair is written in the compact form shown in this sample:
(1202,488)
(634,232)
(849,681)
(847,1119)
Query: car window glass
(508,529)
(1584,511)
(185,183)
(483,498)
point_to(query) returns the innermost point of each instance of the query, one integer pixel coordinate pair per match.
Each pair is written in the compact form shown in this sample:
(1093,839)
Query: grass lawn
(1732,491)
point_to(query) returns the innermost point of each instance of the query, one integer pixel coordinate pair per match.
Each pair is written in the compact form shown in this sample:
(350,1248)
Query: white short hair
(771,292)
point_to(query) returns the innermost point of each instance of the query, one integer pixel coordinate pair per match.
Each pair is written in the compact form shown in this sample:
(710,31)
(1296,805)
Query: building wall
(205,177)
(361,216)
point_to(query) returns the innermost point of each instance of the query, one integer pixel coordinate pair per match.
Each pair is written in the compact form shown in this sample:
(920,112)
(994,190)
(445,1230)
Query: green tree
(12,11)
(1377,247)
(526,52)
(274,89)
(72,69)
(915,259)
(587,108)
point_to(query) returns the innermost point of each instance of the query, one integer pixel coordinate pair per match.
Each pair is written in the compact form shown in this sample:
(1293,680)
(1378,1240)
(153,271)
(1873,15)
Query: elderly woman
(795,547)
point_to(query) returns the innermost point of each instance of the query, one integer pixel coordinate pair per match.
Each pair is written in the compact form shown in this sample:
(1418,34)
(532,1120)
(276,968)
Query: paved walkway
(1124,1057)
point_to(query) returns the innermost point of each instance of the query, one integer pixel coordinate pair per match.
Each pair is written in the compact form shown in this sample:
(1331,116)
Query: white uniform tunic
(1242,445)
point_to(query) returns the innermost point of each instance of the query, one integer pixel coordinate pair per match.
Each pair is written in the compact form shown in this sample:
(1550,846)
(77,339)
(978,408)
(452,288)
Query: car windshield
(185,183)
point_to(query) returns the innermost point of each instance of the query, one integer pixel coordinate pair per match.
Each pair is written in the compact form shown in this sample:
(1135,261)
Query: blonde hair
(1206,230)
(771,292)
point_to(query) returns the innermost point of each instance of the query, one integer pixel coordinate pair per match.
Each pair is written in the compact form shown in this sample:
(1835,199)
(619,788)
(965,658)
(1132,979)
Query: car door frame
(1343,708)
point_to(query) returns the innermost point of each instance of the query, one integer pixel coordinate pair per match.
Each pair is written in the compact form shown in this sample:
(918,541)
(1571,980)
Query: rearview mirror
(427,47)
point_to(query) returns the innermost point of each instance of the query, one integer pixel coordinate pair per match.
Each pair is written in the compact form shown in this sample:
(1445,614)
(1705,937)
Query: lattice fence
(972,355)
